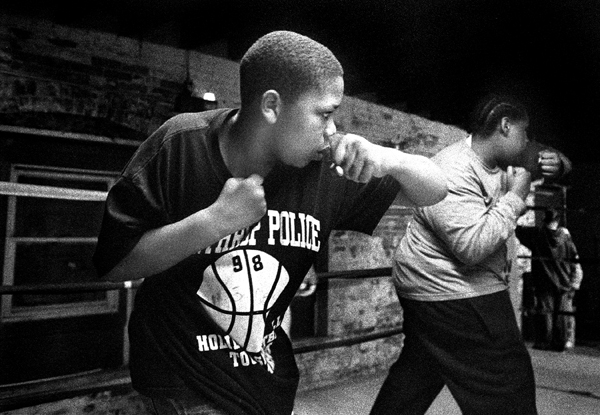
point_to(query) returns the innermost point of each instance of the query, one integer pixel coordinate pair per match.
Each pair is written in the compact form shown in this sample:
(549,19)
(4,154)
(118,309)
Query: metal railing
(323,343)
(29,393)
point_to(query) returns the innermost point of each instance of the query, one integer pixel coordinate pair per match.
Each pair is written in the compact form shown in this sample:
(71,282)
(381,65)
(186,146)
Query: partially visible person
(224,212)
(556,275)
(451,273)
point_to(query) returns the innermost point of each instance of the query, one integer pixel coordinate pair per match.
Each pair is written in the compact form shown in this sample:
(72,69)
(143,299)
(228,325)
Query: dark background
(433,58)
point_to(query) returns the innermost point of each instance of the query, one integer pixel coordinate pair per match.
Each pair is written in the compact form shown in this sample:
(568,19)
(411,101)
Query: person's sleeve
(129,212)
(365,204)
(567,165)
(577,276)
(576,269)
(468,224)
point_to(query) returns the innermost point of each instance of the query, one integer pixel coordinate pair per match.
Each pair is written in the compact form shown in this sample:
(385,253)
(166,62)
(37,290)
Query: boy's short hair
(287,62)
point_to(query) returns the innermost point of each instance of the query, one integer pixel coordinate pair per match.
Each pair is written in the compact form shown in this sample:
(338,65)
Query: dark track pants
(473,346)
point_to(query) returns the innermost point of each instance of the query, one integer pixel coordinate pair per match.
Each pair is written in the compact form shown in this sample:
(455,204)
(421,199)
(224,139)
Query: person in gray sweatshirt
(451,273)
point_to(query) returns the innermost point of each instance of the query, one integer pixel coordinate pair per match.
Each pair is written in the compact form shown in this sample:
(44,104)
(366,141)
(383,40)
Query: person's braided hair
(489,112)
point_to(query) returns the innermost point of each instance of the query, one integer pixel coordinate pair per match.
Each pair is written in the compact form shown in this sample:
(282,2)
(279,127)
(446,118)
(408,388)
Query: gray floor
(567,384)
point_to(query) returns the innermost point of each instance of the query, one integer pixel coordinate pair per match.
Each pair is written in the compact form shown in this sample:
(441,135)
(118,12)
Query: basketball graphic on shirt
(238,290)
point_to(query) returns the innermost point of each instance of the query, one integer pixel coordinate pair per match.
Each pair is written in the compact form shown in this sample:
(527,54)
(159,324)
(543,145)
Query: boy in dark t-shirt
(224,212)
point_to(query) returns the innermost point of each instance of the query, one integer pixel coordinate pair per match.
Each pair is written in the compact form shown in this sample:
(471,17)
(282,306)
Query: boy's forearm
(423,182)
(162,248)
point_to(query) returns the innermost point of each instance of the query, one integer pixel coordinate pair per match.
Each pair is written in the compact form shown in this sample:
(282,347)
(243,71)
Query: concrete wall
(79,81)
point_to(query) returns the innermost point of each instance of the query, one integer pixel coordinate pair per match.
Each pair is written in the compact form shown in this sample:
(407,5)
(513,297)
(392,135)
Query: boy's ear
(504,125)
(271,105)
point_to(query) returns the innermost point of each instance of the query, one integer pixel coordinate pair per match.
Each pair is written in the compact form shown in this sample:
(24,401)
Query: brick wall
(48,72)
(71,80)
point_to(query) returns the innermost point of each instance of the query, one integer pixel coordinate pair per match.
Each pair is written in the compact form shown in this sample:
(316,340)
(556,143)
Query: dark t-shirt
(210,325)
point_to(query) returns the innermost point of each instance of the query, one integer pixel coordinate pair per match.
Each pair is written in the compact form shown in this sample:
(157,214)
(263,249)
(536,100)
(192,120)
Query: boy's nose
(330,129)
